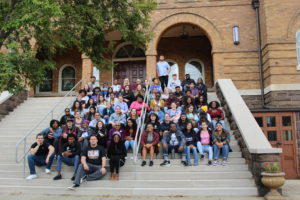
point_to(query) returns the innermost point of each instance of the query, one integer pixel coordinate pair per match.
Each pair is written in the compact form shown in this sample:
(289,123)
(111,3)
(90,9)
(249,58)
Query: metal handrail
(24,138)
(141,125)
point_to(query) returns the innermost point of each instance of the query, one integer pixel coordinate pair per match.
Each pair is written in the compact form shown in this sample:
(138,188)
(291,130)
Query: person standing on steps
(116,153)
(70,155)
(93,162)
(40,154)
(163,70)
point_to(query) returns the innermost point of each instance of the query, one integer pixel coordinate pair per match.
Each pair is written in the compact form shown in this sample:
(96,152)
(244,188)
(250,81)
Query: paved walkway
(291,189)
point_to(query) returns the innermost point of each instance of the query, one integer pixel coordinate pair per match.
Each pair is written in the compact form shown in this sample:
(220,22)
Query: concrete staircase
(233,181)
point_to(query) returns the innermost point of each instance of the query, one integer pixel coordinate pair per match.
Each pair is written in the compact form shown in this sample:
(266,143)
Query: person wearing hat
(69,129)
(70,156)
(63,119)
(84,133)
(116,153)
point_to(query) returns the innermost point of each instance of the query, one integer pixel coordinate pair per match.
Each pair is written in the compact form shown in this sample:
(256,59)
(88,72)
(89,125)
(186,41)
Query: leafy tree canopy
(57,25)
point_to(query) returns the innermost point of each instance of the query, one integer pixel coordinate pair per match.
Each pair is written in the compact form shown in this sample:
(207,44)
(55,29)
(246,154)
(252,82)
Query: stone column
(86,70)
(151,66)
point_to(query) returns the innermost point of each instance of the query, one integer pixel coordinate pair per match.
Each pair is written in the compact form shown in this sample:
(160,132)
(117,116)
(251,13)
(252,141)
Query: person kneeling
(41,153)
(93,161)
(116,154)
(70,155)
(173,140)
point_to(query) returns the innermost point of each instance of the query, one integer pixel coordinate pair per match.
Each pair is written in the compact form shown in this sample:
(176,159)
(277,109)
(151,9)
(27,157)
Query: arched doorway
(67,77)
(130,63)
(188,46)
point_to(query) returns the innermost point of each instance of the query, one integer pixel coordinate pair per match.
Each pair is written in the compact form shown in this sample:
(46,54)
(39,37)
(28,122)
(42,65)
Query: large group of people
(103,121)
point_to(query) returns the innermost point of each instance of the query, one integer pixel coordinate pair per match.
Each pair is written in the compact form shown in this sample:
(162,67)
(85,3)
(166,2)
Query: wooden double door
(279,128)
(130,69)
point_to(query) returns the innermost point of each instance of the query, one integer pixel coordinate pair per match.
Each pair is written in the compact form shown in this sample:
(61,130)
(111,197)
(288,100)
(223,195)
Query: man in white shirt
(93,83)
(163,70)
(173,83)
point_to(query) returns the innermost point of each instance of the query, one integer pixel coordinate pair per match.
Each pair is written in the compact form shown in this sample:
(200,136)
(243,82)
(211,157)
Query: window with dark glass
(129,51)
(272,135)
(271,121)
(286,121)
(46,85)
(259,121)
(67,78)
(288,135)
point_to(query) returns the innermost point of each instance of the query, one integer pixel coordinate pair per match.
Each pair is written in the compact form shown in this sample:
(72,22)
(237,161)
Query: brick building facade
(201,31)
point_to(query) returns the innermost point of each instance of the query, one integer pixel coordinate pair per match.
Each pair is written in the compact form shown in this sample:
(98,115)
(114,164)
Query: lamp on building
(184,34)
(236,35)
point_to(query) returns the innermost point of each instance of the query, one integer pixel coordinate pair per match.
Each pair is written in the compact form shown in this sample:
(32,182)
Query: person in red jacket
(149,142)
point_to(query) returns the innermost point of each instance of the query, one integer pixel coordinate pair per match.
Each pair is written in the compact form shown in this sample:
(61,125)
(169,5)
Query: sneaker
(57,177)
(189,164)
(47,171)
(215,163)
(224,162)
(73,178)
(143,163)
(151,163)
(209,162)
(196,164)
(73,187)
(165,163)
(31,176)
(201,156)
(184,163)
(83,179)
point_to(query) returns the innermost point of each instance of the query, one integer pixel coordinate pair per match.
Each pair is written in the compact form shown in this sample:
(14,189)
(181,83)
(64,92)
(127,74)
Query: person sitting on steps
(93,162)
(40,154)
(70,155)
(149,142)
(173,140)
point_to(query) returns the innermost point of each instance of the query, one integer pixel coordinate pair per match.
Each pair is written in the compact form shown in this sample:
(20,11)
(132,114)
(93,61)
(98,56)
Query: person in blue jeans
(191,143)
(40,154)
(205,141)
(70,156)
(221,139)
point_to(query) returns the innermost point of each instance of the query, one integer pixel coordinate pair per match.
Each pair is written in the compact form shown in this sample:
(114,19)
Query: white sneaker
(47,171)
(215,163)
(31,176)
(224,163)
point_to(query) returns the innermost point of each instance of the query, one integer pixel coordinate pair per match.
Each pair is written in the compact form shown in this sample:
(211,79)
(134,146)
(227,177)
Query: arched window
(46,85)
(195,69)
(298,47)
(174,69)
(129,51)
(67,78)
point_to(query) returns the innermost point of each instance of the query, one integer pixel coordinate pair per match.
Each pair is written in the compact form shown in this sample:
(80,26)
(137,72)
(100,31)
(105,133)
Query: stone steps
(232,181)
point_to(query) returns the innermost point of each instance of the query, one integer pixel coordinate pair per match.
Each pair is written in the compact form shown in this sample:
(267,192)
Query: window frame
(61,78)
(202,66)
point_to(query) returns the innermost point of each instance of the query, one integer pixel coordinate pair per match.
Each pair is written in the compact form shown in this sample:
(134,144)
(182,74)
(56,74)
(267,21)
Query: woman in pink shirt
(139,104)
(204,143)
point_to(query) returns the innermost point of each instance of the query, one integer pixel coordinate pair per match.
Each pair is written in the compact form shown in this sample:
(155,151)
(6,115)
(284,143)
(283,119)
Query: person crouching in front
(93,162)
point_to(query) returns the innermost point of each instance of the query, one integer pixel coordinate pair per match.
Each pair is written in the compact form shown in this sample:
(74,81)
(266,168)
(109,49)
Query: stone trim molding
(281,87)
(270,88)
(4,96)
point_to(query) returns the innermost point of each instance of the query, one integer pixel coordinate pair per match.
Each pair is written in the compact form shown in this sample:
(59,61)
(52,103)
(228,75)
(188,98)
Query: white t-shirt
(174,140)
(172,84)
